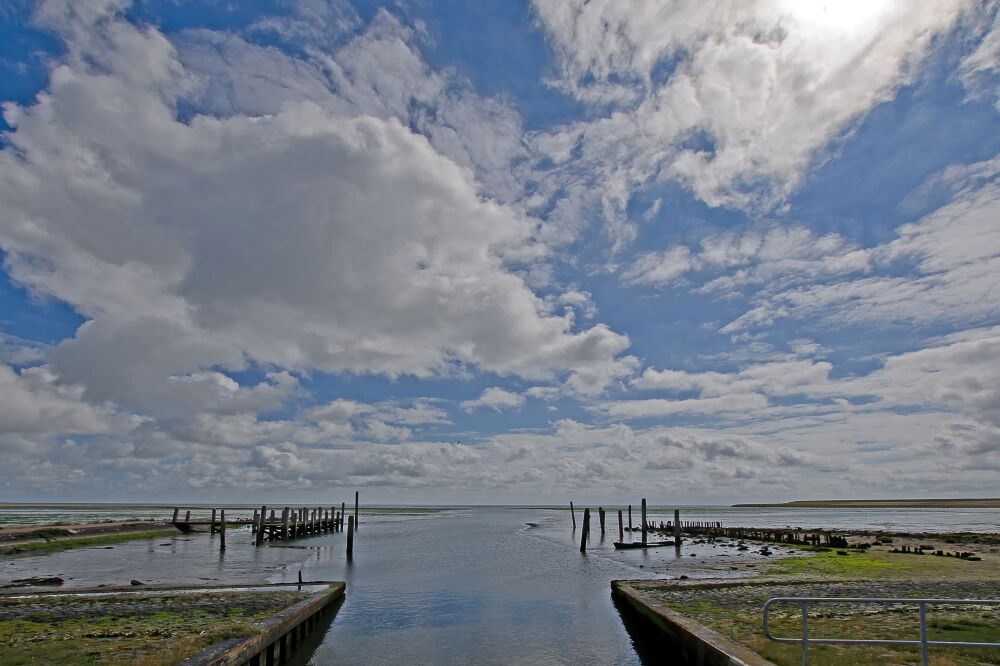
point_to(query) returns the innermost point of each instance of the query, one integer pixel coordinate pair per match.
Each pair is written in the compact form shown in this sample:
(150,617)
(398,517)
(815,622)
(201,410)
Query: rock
(135,582)
(841,552)
(683,577)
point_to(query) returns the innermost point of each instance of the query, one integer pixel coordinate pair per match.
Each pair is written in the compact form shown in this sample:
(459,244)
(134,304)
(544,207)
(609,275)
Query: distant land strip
(968,503)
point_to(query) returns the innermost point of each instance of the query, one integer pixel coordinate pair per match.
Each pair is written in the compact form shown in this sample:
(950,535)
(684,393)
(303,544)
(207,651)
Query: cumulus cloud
(302,238)
(495,398)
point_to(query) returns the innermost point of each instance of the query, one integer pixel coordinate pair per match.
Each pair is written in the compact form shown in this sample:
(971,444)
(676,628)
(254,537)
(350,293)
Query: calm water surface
(478,585)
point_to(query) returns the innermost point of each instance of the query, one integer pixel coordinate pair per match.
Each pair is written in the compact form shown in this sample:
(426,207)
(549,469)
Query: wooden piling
(211,527)
(187,517)
(355,509)
(253,525)
(176,512)
(621,528)
(222,530)
(295,523)
(600,516)
(260,528)
(572,514)
(586,531)
(629,517)
(343,515)
(644,521)
(677,526)
(284,524)
(350,537)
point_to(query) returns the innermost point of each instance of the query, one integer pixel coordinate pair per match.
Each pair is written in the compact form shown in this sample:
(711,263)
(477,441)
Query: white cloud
(954,253)
(735,102)
(302,239)
(496,399)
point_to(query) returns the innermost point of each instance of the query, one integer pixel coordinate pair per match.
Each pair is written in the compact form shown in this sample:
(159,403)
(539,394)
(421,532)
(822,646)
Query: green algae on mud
(148,629)
(875,564)
(55,543)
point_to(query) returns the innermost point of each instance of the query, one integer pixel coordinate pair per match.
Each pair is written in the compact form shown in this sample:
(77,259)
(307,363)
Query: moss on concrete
(134,630)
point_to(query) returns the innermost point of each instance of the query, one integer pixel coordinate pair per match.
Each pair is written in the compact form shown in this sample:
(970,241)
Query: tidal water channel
(483,585)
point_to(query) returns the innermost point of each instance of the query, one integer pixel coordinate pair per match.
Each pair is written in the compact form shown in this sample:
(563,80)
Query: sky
(499,252)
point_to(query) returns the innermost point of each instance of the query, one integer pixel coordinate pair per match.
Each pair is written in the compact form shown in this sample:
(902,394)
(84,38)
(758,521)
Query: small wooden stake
(211,527)
(350,537)
(355,509)
(572,514)
(621,529)
(222,530)
(600,515)
(187,517)
(586,531)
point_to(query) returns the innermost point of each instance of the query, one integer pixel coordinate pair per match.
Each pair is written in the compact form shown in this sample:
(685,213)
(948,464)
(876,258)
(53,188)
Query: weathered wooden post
(586,530)
(343,514)
(295,523)
(572,514)
(211,527)
(600,515)
(253,525)
(355,509)
(284,524)
(677,525)
(350,537)
(260,528)
(643,521)
(629,517)
(222,531)
(187,517)
(621,528)
(176,511)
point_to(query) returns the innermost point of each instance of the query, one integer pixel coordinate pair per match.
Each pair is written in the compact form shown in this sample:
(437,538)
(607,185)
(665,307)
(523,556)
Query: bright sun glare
(836,15)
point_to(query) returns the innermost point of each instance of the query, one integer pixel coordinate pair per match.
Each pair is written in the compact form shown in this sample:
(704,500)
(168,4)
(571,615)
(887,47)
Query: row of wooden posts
(291,524)
(645,525)
(707,528)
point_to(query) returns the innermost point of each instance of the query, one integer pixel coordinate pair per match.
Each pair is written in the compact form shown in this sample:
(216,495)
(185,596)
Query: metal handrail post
(923,634)
(805,633)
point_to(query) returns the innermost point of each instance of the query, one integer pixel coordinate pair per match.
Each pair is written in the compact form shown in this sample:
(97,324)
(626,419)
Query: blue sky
(499,252)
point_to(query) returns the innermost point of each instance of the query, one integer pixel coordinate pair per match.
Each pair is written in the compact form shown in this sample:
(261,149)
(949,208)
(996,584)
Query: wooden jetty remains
(268,525)
(678,528)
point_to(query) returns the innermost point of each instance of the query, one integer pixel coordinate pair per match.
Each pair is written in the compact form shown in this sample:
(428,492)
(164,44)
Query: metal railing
(805,602)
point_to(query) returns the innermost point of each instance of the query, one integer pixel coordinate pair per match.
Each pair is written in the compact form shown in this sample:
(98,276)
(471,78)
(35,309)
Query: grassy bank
(735,610)
(968,503)
(56,543)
